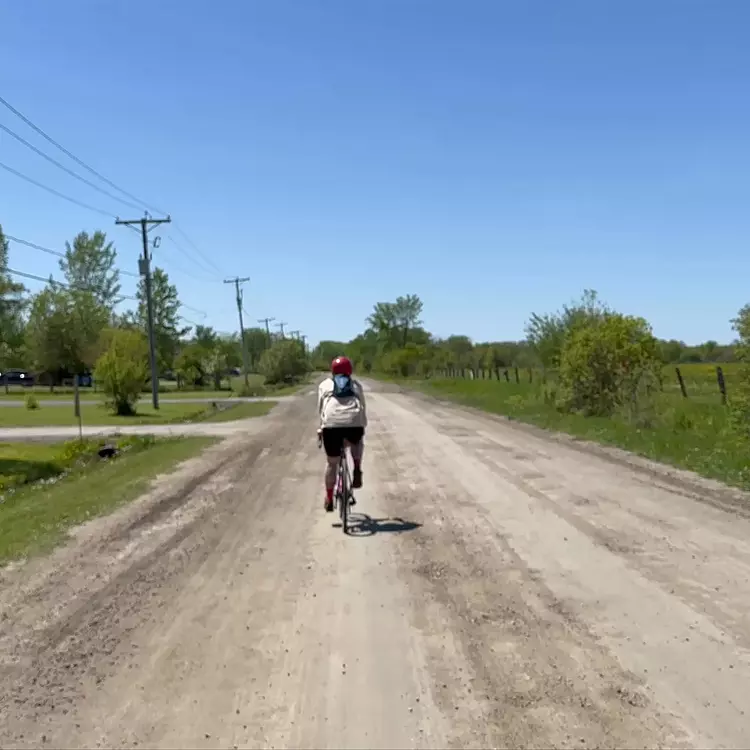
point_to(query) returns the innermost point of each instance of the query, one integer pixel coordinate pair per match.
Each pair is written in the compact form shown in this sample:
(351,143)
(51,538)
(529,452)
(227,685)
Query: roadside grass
(34,517)
(240,411)
(96,414)
(690,433)
(257,387)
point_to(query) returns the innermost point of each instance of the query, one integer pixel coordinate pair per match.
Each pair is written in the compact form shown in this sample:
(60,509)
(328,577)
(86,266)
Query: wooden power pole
(144,267)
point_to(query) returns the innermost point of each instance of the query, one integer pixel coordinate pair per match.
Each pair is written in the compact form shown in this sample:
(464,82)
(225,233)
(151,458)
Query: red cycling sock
(329,493)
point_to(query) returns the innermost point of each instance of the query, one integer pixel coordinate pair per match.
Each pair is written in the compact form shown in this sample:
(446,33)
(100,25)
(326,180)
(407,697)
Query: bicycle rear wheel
(344,497)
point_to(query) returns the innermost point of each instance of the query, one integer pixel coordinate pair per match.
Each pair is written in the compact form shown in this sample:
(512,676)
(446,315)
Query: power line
(194,309)
(204,268)
(78,161)
(65,169)
(197,249)
(15,172)
(56,253)
(55,282)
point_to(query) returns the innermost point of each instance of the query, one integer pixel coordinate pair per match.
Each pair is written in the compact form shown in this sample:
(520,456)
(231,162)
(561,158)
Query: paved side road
(499,589)
(57,434)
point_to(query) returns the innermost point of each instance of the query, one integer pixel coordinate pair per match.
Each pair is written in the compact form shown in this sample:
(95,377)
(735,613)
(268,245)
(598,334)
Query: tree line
(395,342)
(595,359)
(76,327)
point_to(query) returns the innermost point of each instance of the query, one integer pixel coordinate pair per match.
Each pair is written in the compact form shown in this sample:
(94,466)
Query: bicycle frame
(343,488)
(342,492)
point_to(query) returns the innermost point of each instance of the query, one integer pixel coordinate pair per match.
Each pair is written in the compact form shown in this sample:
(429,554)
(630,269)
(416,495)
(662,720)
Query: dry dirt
(499,588)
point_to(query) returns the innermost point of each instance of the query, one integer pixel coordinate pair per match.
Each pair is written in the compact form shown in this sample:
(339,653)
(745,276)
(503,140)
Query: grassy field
(692,433)
(94,414)
(77,486)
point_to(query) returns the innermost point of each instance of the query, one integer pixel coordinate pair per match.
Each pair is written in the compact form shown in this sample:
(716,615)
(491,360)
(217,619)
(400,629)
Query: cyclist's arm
(320,408)
(364,405)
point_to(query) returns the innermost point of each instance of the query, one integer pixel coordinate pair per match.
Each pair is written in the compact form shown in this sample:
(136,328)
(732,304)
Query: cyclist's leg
(333,439)
(355,438)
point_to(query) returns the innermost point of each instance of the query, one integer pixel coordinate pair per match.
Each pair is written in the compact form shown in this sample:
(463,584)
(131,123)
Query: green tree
(284,362)
(167,328)
(407,311)
(546,333)
(63,331)
(607,363)
(12,305)
(122,369)
(739,404)
(89,265)
(325,352)
(256,341)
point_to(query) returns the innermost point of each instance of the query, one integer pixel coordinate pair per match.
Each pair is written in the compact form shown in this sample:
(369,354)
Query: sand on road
(499,588)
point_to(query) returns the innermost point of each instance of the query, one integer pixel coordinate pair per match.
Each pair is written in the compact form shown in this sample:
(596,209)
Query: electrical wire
(200,253)
(204,267)
(194,309)
(55,282)
(78,161)
(56,192)
(66,170)
(57,253)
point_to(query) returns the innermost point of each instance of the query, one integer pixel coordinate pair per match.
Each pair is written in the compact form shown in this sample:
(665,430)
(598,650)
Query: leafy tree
(122,369)
(63,331)
(546,333)
(12,304)
(392,321)
(606,362)
(191,365)
(256,341)
(167,328)
(284,362)
(325,352)
(89,265)
(740,400)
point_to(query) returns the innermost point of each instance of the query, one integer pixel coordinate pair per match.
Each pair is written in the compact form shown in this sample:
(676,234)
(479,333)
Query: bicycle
(342,494)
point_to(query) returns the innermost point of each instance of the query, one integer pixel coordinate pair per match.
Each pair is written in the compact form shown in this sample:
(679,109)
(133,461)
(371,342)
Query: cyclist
(343,418)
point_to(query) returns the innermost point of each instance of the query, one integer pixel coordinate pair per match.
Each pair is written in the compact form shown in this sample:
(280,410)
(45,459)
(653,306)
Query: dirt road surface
(500,589)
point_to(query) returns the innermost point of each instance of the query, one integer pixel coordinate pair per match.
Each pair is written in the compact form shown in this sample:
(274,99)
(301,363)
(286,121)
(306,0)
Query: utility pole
(144,268)
(268,330)
(304,342)
(237,281)
(294,334)
(280,326)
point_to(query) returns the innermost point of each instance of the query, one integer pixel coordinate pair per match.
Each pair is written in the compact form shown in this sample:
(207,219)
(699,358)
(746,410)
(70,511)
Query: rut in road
(498,589)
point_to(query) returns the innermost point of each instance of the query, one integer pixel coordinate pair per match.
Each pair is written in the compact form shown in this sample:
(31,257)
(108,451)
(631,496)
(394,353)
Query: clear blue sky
(493,157)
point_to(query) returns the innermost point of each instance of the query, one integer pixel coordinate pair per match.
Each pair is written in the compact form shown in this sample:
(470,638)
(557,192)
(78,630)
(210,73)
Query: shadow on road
(360,524)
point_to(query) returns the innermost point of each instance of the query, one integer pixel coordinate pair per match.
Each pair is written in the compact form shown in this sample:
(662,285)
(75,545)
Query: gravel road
(501,588)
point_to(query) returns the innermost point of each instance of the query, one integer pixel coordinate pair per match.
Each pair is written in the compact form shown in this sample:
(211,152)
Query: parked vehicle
(14,376)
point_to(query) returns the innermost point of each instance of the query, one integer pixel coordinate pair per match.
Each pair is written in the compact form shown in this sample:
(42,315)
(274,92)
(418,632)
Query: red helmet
(342,366)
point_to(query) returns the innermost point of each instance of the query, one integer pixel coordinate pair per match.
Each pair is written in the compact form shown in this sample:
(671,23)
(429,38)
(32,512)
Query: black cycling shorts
(333,438)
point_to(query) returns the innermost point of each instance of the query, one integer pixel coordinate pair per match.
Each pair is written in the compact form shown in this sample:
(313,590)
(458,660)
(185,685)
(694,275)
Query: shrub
(122,369)
(284,362)
(607,364)
(32,402)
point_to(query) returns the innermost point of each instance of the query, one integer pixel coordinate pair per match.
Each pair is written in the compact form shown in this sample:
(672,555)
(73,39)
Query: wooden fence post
(518,379)
(681,382)
(507,376)
(722,385)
